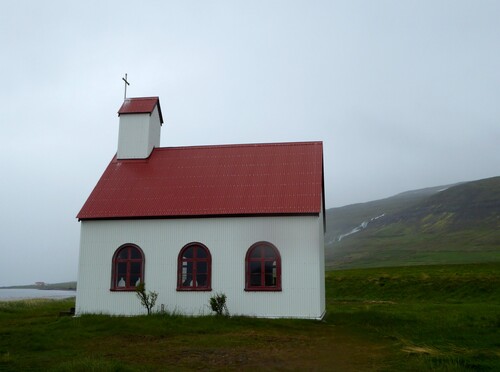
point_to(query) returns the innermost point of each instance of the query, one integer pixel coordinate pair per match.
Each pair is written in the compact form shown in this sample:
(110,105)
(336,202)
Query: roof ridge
(137,98)
(233,145)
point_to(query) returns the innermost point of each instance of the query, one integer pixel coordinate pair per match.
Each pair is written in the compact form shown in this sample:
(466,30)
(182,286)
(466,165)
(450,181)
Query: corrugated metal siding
(228,240)
(321,252)
(154,129)
(255,179)
(133,137)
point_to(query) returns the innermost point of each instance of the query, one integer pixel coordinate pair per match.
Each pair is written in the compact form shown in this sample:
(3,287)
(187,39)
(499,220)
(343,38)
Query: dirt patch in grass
(330,348)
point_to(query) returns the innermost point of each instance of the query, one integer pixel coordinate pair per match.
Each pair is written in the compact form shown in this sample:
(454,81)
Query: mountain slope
(445,224)
(341,220)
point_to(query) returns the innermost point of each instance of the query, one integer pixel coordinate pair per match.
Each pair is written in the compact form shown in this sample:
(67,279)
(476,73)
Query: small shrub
(148,300)
(218,304)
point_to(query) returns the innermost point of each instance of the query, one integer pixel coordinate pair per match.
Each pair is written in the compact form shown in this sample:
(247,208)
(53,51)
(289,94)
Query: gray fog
(404,95)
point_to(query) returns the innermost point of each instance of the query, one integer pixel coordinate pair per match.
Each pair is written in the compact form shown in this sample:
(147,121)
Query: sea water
(13,294)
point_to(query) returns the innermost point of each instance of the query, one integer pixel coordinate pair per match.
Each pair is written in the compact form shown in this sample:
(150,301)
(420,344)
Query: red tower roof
(143,105)
(228,180)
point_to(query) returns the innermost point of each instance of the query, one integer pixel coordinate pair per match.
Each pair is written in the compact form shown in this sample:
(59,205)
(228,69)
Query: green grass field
(441,317)
(390,319)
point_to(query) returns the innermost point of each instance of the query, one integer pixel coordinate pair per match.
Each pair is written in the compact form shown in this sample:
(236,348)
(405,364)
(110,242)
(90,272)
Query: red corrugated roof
(254,179)
(143,105)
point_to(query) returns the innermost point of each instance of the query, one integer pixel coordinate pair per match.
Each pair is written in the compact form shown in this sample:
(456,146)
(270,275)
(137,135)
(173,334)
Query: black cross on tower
(126,83)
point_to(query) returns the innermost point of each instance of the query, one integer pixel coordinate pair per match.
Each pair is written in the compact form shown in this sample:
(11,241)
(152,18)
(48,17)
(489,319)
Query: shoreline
(22,294)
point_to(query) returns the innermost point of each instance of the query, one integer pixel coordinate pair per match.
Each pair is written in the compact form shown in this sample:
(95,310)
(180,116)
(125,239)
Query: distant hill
(457,223)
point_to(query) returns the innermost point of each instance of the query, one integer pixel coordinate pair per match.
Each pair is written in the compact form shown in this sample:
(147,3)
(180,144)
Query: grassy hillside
(456,224)
(412,318)
(340,220)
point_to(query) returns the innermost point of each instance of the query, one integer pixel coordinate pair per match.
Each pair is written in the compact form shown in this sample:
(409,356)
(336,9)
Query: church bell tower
(140,127)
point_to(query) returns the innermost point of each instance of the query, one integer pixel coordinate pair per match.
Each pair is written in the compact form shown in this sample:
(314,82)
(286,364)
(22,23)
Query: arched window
(194,268)
(263,268)
(128,268)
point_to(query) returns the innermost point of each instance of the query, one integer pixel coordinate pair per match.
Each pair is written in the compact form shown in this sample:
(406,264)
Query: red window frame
(128,268)
(265,260)
(194,261)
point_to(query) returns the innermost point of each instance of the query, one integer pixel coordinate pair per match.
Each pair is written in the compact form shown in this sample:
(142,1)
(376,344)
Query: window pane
(134,280)
(188,253)
(255,274)
(201,253)
(122,268)
(135,268)
(120,281)
(255,280)
(269,266)
(269,279)
(186,280)
(255,267)
(187,274)
(189,267)
(201,267)
(255,252)
(135,253)
(123,254)
(268,251)
(121,274)
(201,280)
(269,276)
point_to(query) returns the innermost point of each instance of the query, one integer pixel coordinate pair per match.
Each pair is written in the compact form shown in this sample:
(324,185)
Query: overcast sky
(404,95)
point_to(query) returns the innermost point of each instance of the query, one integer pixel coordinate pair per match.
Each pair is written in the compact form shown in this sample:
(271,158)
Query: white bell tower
(140,126)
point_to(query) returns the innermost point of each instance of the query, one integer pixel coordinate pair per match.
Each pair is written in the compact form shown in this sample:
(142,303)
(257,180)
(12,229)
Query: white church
(246,220)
